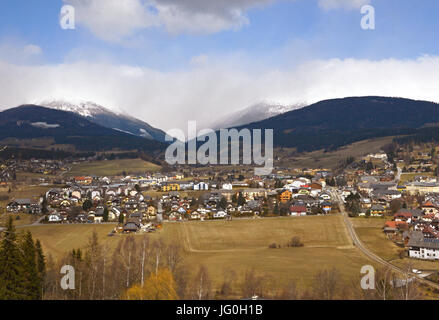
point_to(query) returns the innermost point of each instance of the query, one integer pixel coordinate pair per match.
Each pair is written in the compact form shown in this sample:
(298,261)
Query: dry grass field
(112,167)
(405,177)
(239,245)
(57,240)
(370,231)
(19,219)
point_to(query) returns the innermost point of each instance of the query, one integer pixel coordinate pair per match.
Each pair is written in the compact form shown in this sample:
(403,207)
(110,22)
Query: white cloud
(199,61)
(112,20)
(349,4)
(17,52)
(170,99)
(32,50)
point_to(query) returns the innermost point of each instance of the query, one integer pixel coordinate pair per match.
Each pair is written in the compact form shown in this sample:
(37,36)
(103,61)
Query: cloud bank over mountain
(168,99)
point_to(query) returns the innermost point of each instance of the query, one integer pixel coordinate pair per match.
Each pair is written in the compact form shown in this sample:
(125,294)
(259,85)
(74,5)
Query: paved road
(357,242)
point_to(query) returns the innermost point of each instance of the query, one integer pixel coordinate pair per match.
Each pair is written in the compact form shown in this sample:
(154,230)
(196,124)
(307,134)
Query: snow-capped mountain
(258,112)
(85,109)
(107,118)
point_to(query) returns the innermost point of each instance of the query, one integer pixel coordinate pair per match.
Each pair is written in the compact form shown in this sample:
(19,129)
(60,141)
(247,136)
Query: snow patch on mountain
(83,108)
(255,113)
(45,125)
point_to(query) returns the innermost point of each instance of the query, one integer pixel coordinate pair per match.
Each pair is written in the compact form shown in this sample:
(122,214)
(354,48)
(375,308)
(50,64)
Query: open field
(239,245)
(19,219)
(371,234)
(410,176)
(24,191)
(58,240)
(112,167)
(320,159)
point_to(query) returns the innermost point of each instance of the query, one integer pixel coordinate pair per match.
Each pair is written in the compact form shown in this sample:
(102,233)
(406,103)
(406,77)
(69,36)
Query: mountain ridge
(108,118)
(68,128)
(332,123)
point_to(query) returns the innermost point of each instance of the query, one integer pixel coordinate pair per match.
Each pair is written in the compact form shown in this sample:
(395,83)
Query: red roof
(429,204)
(404,214)
(390,224)
(395,224)
(297,209)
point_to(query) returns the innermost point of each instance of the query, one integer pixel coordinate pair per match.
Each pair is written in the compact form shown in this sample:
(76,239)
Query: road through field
(357,242)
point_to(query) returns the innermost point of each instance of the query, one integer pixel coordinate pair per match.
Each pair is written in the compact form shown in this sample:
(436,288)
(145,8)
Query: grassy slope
(321,159)
(112,167)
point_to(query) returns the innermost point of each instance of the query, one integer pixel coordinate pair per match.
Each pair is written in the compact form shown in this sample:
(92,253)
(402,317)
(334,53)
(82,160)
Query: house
(65,203)
(55,218)
(151,211)
(325,197)
(219,215)
(227,186)
(195,215)
(170,187)
(254,193)
(174,216)
(403,215)
(201,186)
(423,248)
(430,207)
(76,194)
(395,226)
(19,205)
(131,227)
(327,207)
(285,196)
(83,180)
(298,211)
(390,227)
(377,210)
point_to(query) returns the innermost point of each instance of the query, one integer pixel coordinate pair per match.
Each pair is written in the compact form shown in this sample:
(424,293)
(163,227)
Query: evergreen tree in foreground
(22,266)
(41,267)
(11,266)
(31,278)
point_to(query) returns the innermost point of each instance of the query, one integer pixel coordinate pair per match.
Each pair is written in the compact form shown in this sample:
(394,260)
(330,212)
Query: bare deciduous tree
(325,284)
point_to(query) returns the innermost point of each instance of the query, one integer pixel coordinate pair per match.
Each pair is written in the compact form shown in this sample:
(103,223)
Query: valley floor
(238,246)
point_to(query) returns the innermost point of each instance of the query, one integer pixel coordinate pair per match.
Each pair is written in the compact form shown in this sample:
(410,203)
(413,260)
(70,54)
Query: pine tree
(241,199)
(105,216)
(276,209)
(41,267)
(234,198)
(31,278)
(11,266)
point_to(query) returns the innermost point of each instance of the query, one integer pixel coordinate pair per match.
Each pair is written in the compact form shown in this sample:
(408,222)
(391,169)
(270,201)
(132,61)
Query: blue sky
(214,55)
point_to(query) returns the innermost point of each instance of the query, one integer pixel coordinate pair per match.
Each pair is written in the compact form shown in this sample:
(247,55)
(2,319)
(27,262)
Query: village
(128,200)
(402,191)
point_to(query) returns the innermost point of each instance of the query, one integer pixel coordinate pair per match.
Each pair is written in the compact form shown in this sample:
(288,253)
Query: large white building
(423,248)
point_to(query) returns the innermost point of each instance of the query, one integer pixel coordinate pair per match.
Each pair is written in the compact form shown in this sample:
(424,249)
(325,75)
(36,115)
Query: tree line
(22,265)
